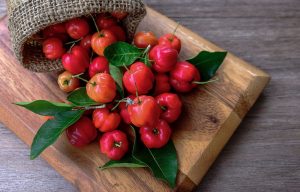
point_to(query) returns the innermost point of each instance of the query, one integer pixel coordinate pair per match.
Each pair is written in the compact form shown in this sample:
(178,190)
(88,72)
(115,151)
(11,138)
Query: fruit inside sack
(127,94)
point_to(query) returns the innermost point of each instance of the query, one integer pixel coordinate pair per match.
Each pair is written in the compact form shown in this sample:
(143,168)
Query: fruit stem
(205,82)
(146,50)
(163,108)
(73,42)
(95,23)
(118,103)
(82,79)
(90,107)
(117,144)
(71,47)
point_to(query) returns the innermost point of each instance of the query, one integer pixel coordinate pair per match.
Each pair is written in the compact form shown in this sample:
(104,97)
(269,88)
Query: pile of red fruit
(150,103)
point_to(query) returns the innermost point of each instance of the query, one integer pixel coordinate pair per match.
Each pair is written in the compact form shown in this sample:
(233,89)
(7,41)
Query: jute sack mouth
(28,17)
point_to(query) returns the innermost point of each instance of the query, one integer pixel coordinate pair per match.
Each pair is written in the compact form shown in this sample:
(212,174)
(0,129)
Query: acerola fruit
(82,132)
(118,32)
(101,88)
(99,65)
(67,82)
(162,84)
(77,28)
(164,58)
(157,136)
(170,40)
(105,21)
(143,39)
(114,144)
(101,40)
(53,48)
(183,76)
(105,120)
(138,79)
(144,111)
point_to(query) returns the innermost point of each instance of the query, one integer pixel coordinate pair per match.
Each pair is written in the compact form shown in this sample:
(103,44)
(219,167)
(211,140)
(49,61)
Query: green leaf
(79,97)
(122,54)
(208,63)
(117,74)
(162,162)
(45,108)
(51,130)
(127,161)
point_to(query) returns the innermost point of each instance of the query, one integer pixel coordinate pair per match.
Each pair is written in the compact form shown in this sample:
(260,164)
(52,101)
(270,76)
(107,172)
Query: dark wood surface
(264,153)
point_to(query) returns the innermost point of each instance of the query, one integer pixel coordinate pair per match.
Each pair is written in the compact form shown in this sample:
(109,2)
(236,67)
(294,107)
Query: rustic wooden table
(264,153)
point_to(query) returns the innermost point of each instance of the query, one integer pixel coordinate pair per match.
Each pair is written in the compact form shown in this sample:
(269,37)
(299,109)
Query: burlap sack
(28,17)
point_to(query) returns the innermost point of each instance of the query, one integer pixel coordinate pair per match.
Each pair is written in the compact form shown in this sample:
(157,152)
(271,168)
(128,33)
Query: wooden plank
(220,116)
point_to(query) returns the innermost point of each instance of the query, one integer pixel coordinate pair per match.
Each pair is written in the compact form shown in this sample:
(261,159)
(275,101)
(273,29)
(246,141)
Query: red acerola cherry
(105,120)
(124,110)
(57,30)
(144,111)
(138,79)
(144,39)
(170,106)
(82,132)
(170,40)
(99,65)
(77,28)
(118,32)
(86,42)
(114,144)
(76,61)
(105,21)
(157,136)
(164,58)
(120,15)
(162,84)
(53,48)
(101,40)
(183,76)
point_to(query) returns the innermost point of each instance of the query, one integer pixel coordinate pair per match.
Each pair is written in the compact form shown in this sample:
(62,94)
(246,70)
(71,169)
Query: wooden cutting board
(211,115)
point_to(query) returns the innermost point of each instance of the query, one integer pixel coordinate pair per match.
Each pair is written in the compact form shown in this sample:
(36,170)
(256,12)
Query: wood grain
(262,155)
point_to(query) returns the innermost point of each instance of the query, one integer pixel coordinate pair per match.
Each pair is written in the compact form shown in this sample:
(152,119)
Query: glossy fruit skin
(53,48)
(76,61)
(82,54)
(101,40)
(105,21)
(86,42)
(170,105)
(67,83)
(139,78)
(170,40)
(157,136)
(123,107)
(82,132)
(143,39)
(105,120)
(101,88)
(164,58)
(56,30)
(183,75)
(162,84)
(118,32)
(120,15)
(99,65)
(77,28)
(144,111)
(114,144)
